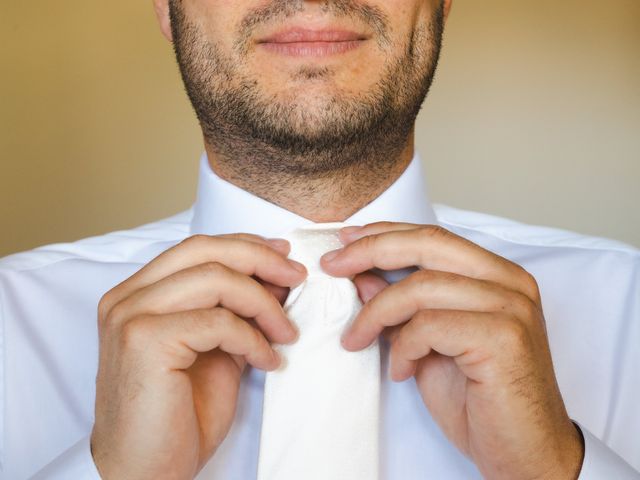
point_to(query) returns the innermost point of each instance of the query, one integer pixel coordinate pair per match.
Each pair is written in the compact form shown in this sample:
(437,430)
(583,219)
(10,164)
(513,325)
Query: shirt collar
(221,207)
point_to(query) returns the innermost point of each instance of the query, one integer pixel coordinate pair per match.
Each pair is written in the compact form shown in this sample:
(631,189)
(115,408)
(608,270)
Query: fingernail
(366,297)
(298,266)
(329,257)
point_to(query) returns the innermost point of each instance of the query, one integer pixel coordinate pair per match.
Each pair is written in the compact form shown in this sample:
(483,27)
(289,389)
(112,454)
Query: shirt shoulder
(133,245)
(487,227)
(574,271)
(590,290)
(48,334)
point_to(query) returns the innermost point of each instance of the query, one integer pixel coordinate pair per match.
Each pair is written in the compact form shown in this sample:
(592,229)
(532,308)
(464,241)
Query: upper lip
(301,35)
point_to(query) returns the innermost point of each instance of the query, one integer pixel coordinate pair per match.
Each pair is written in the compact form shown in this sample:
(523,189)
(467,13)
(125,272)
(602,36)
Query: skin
(174,340)
(353,181)
(176,336)
(468,326)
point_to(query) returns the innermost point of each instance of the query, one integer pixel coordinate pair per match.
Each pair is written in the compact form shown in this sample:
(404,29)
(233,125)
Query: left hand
(468,325)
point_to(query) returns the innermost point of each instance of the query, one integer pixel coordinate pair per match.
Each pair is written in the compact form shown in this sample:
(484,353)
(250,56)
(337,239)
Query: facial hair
(261,136)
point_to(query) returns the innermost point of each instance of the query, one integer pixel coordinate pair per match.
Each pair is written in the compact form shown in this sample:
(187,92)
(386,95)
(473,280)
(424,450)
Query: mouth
(301,42)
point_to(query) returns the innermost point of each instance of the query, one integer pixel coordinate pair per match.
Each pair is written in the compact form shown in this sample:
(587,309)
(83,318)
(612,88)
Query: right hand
(174,340)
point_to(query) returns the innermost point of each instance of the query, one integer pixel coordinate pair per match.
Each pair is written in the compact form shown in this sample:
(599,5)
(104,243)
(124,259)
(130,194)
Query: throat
(332,195)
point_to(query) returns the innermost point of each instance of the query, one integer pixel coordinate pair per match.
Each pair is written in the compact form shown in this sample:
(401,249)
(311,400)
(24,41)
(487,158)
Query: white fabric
(601,462)
(74,464)
(48,337)
(320,412)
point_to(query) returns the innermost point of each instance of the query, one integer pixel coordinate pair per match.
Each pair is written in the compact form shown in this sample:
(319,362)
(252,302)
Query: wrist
(571,456)
(579,450)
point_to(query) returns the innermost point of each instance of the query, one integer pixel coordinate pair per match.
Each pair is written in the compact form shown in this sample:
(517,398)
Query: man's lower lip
(311,49)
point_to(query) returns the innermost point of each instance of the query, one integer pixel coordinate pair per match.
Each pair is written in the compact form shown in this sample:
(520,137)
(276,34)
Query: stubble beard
(262,136)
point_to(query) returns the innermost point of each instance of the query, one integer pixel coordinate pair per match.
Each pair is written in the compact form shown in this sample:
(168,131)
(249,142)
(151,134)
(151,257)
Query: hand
(174,340)
(468,325)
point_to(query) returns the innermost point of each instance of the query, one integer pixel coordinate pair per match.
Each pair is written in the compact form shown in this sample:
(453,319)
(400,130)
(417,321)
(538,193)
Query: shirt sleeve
(76,463)
(600,462)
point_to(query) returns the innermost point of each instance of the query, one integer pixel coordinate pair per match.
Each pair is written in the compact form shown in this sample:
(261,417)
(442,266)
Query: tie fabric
(320,417)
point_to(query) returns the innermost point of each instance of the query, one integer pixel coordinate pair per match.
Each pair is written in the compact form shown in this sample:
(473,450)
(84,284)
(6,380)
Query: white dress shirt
(49,348)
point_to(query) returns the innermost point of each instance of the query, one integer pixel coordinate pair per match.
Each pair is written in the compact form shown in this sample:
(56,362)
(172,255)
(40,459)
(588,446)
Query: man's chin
(311,98)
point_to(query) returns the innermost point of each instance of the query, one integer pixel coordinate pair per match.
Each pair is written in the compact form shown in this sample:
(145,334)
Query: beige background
(534,115)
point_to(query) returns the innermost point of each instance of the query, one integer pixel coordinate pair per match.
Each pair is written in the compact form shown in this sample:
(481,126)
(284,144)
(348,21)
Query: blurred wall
(534,115)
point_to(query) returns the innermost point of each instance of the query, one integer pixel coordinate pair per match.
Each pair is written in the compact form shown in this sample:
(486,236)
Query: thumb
(368,285)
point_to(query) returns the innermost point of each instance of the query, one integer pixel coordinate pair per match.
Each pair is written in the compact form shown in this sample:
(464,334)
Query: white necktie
(321,407)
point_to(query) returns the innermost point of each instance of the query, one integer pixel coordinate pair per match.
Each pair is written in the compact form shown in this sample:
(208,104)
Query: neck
(330,196)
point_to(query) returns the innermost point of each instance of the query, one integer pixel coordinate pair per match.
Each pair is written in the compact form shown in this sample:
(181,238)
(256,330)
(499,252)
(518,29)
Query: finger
(279,244)
(369,284)
(431,289)
(281,293)
(205,286)
(244,253)
(352,233)
(180,336)
(390,333)
(249,254)
(479,342)
(430,247)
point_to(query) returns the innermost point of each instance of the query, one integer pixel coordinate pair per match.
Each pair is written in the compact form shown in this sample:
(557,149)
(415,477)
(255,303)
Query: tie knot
(310,242)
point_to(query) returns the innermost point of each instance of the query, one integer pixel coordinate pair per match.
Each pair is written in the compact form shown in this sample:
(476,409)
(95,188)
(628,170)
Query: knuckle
(424,279)
(115,315)
(369,242)
(239,236)
(196,241)
(249,238)
(514,334)
(428,232)
(229,324)
(423,275)
(420,325)
(415,331)
(213,269)
(530,284)
(385,225)
(222,317)
(104,306)
(209,319)
(526,307)
(193,320)
(423,319)
(136,333)
(263,250)
(244,240)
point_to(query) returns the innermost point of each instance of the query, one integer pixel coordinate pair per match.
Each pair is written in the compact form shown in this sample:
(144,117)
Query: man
(307,110)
